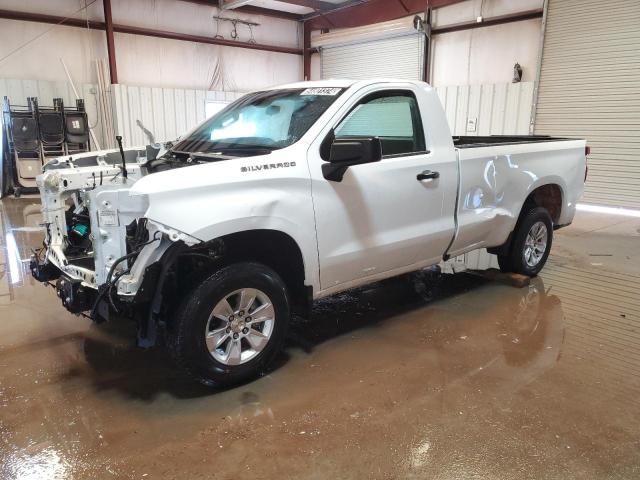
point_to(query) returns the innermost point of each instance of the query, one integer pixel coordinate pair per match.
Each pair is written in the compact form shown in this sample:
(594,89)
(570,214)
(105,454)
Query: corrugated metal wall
(166,112)
(18,91)
(590,88)
(394,57)
(500,109)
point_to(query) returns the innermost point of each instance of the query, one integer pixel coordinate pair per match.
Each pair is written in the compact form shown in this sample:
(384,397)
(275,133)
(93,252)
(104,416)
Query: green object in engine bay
(80,229)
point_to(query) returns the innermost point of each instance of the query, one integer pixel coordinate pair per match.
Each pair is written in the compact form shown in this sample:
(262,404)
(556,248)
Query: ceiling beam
(357,13)
(51,19)
(147,32)
(252,10)
(488,22)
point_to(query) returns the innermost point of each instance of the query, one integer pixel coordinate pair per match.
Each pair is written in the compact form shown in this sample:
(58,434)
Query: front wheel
(531,244)
(232,325)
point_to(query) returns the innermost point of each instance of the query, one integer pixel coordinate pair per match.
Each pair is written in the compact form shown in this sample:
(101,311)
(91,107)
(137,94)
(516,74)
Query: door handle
(427,175)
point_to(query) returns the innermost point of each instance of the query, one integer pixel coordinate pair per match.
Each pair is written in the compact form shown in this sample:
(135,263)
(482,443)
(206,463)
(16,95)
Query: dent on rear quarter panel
(494,187)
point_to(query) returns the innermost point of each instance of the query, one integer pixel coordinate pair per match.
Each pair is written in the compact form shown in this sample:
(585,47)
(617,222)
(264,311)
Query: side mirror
(349,151)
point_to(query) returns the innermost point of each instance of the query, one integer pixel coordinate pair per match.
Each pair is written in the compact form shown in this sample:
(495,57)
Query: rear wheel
(231,326)
(531,244)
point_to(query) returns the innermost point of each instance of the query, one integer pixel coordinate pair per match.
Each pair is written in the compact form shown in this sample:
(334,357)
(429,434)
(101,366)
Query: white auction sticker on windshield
(330,91)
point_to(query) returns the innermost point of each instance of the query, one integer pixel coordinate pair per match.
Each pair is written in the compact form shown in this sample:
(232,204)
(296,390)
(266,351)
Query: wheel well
(547,196)
(274,249)
(182,268)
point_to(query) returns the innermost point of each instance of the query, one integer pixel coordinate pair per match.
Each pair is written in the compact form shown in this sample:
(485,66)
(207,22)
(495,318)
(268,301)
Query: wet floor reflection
(464,379)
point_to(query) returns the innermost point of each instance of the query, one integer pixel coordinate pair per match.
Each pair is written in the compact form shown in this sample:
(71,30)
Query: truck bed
(494,140)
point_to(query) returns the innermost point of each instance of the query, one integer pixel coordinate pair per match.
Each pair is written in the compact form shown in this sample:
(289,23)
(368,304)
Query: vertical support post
(536,85)
(427,44)
(111,48)
(306,50)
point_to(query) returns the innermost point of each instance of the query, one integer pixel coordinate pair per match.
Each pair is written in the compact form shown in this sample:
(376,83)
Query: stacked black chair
(21,128)
(51,126)
(34,134)
(76,128)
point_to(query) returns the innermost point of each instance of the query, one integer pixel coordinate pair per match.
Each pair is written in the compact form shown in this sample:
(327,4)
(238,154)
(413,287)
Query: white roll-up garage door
(394,57)
(590,88)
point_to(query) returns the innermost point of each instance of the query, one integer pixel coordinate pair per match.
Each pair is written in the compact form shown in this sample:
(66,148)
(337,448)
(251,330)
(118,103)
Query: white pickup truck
(286,196)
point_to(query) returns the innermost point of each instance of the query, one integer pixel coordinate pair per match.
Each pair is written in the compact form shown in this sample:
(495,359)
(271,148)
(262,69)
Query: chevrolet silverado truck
(288,195)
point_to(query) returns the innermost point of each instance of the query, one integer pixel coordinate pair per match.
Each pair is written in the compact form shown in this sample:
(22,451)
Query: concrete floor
(485,381)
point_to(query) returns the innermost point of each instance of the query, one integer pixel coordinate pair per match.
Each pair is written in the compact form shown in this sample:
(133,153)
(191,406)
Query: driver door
(381,217)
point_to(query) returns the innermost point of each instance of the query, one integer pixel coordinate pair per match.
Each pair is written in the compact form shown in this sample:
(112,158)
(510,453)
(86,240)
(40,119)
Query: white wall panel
(169,114)
(190,107)
(180,111)
(200,101)
(166,112)
(501,109)
(157,112)
(498,109)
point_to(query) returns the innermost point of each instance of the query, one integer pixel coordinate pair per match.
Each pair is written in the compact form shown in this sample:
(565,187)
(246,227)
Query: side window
(394,118)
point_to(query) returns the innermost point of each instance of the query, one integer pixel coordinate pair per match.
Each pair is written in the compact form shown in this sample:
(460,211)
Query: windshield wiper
(225,153)
(243,148)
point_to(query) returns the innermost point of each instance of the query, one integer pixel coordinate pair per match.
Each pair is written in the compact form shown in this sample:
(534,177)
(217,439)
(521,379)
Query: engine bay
(98,245)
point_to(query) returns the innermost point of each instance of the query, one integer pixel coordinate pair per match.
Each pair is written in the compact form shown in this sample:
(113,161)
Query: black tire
(515,260)
(186,332)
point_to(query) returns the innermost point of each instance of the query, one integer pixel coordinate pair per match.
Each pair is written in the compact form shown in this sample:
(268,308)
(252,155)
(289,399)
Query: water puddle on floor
(469,379)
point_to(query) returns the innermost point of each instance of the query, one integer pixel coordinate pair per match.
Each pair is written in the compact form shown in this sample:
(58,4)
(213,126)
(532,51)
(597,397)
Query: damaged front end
(103,254)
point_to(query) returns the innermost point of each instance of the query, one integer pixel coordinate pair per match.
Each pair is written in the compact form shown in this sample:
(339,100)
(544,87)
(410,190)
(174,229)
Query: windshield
(262,121)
